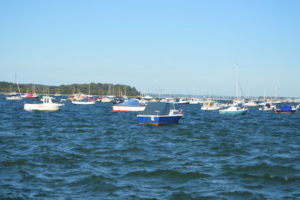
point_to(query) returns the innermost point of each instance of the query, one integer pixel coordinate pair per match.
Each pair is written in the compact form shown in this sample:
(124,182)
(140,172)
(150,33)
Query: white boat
(194,101)
(131,105)
(14,95)
(107,99)
(234,110)
(211,105)
(268,107)
(48,104)
(168,100)
(182,101)
(251,104)
(86,101)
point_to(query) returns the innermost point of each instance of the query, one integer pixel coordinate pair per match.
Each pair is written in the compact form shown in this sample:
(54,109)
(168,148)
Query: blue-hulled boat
(159,113)
(286,109)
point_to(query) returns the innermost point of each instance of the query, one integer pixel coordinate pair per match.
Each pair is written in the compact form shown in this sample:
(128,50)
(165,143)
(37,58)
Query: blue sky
(170,46)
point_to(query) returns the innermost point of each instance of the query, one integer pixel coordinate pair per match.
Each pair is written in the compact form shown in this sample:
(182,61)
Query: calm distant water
(90,152)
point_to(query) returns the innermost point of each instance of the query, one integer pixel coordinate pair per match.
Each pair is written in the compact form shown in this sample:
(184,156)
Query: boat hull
(13,98)
(239,112)
(41,107)
(210,108)
(83,103)
(129,108)
(158,120)
(285,112)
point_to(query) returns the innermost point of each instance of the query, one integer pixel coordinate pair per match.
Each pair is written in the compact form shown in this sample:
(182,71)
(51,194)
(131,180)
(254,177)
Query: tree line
(99,89)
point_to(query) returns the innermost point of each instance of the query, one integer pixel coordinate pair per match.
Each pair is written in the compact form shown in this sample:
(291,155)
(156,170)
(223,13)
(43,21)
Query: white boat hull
(210,108)
(42,107)
(233,111)
(129,108)
(83,102)
(14,98)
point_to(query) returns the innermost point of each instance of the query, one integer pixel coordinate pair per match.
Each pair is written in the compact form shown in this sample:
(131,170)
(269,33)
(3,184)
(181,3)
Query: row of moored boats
(151,110)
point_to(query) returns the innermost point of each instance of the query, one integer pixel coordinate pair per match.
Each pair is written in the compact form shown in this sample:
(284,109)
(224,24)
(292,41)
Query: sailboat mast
(17,83)
(236,83)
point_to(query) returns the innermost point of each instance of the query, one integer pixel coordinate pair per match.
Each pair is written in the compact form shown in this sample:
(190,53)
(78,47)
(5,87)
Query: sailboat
(14,95)
(86,100)
(235,109)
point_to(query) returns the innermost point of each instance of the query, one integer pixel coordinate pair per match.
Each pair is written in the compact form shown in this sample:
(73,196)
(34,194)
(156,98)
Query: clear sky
(154,45)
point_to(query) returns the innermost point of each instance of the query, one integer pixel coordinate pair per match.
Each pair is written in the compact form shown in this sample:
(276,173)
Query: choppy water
(90,152)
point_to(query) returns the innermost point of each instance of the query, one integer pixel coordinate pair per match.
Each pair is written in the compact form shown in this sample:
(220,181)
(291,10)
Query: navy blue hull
(157,120)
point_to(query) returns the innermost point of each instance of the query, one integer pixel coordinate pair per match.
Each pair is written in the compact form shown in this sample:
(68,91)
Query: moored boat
(31,96)
(251,104)
(234,110)
(182,101)
(85,101)
(286,109)
(13,96)
(159,113)
(211,105)
(268,107)
(131,105)
(48,104)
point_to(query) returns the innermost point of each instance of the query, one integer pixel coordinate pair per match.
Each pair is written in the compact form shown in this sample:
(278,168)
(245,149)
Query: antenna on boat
(237,82)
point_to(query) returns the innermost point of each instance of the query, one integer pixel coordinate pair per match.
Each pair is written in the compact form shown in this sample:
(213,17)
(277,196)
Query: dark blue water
(90,152)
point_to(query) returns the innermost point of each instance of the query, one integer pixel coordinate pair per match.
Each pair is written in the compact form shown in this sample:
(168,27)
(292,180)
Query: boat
(14,95)
(85,101)
(251,104)
(159,113)
(131,105)
(31,96)
(194,101)
(268,107)
(182,101)
(168,100)
(48,104)
(77,97)
(286,109)
(234,110)
(107,99)
(211,105)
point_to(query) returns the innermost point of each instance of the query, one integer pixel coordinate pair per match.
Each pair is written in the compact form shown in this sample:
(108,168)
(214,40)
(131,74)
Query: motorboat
(251,104)
(234,110)
(131,105)
(182,101)
(159,113)
(107,99)
(194,101)
(286,109)
(85,101)
(268,107)
(211,105)
(48,104)
(31,96)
